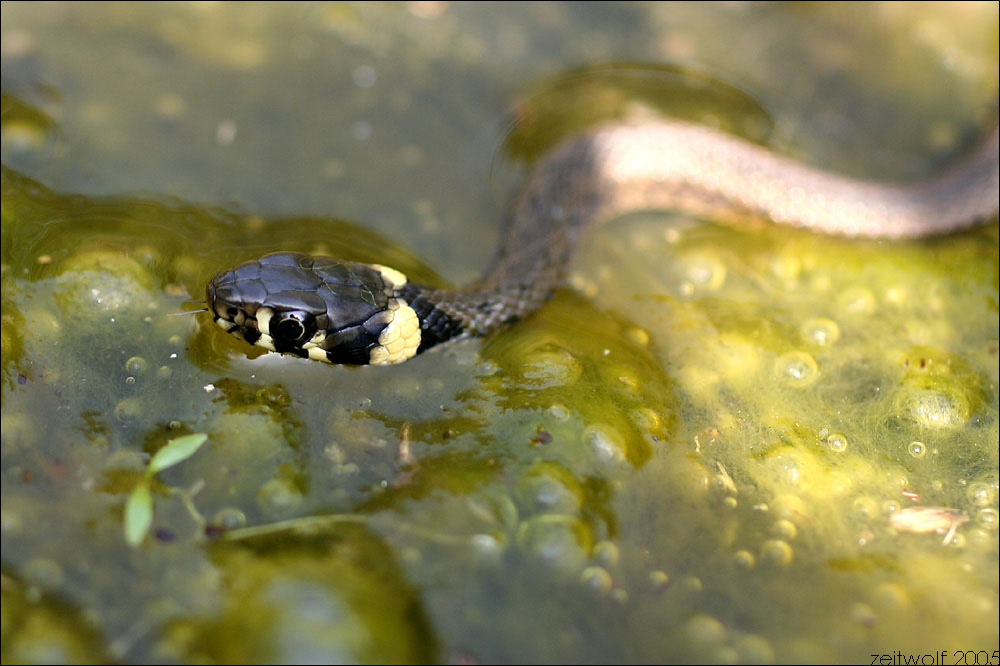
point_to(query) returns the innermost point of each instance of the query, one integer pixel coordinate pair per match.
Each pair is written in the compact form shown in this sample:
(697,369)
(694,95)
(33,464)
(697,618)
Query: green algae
(38,628)
(341,599)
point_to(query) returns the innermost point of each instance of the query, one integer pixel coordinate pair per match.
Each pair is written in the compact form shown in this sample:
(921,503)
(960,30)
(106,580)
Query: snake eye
(293,327)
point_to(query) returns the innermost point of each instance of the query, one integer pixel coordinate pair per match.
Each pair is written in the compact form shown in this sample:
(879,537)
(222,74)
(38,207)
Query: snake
(343,312)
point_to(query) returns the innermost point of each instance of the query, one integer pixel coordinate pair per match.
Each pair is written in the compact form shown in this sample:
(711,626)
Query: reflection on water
(734,444)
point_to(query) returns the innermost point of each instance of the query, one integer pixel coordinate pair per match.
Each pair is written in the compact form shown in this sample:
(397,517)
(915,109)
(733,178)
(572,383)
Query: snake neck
(480,308)
(561,197)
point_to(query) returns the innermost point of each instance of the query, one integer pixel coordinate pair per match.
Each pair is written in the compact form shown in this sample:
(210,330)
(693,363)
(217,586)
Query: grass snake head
(320,308)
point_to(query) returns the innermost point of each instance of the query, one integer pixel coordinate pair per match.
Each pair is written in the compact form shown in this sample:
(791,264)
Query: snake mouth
(256,330)
(241,325)
(231,318)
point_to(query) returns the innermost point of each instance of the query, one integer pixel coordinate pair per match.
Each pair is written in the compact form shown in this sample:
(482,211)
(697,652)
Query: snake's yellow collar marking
(400,339)
(391,275)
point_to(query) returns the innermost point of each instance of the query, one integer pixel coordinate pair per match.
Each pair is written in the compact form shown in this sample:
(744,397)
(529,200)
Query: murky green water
(714,446)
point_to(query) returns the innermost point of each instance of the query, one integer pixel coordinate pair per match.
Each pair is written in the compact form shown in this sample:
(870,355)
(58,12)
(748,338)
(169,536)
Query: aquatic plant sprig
(139,505)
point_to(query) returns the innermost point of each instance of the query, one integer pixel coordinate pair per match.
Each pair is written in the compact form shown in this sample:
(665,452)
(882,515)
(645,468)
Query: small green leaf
(175,451)
(138,514)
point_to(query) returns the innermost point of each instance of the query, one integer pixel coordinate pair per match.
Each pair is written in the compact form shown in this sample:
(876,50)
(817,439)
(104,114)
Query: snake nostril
(231,312)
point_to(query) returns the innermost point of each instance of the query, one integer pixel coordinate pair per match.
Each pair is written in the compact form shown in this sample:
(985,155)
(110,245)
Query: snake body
(343,312)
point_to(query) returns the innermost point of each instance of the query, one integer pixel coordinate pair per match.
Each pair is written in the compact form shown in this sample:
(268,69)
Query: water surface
(711,446)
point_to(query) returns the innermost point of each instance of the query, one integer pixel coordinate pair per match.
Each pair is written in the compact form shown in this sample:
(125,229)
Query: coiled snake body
(345,312)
